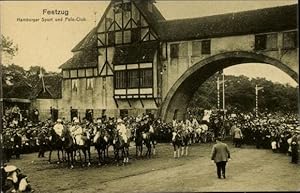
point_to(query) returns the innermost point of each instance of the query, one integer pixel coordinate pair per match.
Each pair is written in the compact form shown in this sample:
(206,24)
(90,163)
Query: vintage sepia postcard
(149,96)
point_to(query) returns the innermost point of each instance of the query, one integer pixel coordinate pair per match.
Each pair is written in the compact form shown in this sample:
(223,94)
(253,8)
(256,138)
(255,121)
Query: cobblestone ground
(249,170)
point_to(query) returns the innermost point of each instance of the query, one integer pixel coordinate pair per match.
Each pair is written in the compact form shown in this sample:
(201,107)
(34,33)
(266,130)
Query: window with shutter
(290,39)
(260,42)
(174,50)
(205,47)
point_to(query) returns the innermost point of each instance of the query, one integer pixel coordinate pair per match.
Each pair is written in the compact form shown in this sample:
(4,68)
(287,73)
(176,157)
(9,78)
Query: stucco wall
(177,67)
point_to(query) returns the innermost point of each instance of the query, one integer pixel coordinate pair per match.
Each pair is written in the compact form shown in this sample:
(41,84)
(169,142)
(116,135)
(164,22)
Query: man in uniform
(76,132)
(17,144)
(121,129)
(42,143)
(8,145)
(58,127)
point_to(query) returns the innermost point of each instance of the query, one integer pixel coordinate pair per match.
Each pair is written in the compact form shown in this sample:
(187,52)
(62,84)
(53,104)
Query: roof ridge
(77,47)
(224,14)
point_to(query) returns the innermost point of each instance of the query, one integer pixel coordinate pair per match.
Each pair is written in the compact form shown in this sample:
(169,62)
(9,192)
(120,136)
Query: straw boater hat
(119,121)
(10,168)
(59,120)
(76,120)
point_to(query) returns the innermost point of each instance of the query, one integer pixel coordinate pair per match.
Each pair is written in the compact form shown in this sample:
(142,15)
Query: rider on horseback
(58,127)
(99,130)
(76,132)
(121,129)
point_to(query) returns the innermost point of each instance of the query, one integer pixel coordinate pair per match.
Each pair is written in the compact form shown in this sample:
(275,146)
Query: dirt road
(249,170)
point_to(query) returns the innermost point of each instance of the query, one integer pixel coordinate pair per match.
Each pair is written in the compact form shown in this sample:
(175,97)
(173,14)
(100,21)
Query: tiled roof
(20,90)
(83,59)
(135,53)
(53,87)
(247,22)
(89,41)
(153,17)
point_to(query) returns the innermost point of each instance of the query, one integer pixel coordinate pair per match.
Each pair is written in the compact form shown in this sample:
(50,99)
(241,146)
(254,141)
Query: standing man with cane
(220,155)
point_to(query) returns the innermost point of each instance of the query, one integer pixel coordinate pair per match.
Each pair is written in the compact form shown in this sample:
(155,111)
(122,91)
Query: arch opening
(176,101)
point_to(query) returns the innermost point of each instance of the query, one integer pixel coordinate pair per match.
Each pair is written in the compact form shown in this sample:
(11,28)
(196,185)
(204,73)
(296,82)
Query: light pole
(257,88)
(218,92)
(223,90)
(223,80)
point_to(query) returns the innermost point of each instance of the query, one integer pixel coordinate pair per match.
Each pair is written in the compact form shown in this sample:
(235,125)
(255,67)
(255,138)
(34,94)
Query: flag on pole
(259,88)
(41,75)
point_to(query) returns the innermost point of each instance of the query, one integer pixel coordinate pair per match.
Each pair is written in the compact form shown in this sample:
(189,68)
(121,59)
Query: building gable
(125,22)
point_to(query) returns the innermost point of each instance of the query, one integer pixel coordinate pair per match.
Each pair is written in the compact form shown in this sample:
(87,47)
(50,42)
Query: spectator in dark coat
(17,145)
(220,155)
(294,146)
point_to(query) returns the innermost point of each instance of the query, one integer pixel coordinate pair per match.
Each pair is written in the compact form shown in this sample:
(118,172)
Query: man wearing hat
(122,129)
(58,127)
(14,180)
(98,129)
(77,132)
(294,148)
(17,144)
(220,155)
(41,139)
(237,136)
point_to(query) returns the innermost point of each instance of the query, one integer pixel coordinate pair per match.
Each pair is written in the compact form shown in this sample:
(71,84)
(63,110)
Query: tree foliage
(20,83)
(8,46)
(240,95)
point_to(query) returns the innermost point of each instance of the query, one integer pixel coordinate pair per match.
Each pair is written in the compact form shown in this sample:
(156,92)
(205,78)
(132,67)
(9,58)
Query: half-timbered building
(130,61)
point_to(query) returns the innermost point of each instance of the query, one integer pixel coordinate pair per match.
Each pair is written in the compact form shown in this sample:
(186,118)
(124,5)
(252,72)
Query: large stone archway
(182,91)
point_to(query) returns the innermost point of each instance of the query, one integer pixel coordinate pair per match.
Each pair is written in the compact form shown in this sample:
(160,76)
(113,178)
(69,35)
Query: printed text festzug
(55,12)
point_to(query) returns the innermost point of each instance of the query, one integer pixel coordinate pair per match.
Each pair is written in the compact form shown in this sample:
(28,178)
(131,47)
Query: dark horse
(68,146)
(176,142)
(120,145)
(147,138)
(138,138)
(83,144)
(101,142)
(54,143)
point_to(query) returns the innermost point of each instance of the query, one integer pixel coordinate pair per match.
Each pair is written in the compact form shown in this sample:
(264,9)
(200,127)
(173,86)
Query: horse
(101,143)
(83,144)
(185,139)
(54,142)
(200,133)
(138,138)
(68,146)
(121,144)
(149,141)
(176,142)
(210,136)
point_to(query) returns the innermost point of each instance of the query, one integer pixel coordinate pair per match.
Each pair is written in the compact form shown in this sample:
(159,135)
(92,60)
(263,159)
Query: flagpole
(257,88)
(223,77)
(256,100)
(218,92)
(42,77)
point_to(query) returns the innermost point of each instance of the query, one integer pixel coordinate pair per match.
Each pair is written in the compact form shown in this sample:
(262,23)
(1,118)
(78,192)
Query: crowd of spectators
(274,131)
